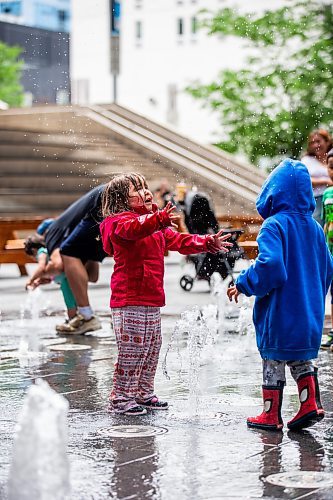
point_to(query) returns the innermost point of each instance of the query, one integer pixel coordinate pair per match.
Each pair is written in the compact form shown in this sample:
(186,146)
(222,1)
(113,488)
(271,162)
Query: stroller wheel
(186,282)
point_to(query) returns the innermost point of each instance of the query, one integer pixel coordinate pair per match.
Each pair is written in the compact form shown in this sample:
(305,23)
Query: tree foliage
(285,91)
(11,90)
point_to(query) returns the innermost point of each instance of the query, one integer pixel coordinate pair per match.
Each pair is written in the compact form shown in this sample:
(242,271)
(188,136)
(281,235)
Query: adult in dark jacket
(290,279)
(74,245)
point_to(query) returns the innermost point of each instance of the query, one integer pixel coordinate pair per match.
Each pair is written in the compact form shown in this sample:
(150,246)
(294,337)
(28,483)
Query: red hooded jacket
(138,244)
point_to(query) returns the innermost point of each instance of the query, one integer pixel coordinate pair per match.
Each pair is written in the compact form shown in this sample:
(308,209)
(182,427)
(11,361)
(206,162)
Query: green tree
(11,90)
(286,89)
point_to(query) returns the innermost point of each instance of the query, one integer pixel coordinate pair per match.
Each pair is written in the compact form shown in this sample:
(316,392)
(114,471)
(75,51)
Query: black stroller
(200,219)
(207,263)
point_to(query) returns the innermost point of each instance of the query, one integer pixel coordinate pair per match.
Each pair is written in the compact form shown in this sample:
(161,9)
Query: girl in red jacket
(137,234)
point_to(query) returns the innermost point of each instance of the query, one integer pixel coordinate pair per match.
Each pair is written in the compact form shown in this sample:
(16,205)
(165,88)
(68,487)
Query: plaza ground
(207,452)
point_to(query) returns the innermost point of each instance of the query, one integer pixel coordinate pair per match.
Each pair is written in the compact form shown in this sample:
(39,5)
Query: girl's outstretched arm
(187,244)
(132,227)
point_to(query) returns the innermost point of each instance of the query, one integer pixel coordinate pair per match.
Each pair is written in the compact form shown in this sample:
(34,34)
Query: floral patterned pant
(138,335)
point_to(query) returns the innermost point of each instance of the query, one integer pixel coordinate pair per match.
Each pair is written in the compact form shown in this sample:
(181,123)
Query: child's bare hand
(175,220)
(28,285)
(219,242)
(174,217)
(233,293)
(169,208)
(43,280)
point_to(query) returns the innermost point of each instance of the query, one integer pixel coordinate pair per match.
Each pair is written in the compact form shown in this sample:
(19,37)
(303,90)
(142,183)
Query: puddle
(69,347)
(131,431)
(301,479)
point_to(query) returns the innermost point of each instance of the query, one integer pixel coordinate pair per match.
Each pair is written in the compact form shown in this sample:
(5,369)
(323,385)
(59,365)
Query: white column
(90,64)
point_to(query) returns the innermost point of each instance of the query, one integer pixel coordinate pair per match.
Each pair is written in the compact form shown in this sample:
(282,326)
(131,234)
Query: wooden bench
(250,248)
(250,225)
(12,234)
(14,230)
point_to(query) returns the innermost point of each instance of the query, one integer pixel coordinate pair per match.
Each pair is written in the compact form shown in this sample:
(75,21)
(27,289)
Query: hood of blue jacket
(287,189)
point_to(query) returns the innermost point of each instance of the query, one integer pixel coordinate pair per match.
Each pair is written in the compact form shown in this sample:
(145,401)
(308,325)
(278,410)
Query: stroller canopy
(199,214)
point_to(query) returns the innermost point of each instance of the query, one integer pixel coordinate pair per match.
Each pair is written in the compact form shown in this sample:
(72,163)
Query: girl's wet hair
(33,242)
(116,194)
(324,134)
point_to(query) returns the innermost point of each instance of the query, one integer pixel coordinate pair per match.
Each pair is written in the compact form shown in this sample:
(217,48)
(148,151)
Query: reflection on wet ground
(207,452)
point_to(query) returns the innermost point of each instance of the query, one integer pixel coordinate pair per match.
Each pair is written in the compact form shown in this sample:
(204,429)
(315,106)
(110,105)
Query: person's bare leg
(77,278)
(71,313)
(55,264)
(92,268)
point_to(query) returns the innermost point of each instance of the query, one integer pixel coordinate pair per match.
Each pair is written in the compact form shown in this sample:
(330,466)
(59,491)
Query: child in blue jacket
(290,279)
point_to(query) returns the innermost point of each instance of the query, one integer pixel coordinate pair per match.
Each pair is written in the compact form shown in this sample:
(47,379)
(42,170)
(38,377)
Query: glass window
(138,30)
(62,18)
(115,16)
(13,8)
(194,25)
(47,17)
(180,26)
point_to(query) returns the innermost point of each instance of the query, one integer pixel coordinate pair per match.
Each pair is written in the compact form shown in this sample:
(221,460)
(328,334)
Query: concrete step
(44,166)
(55,152)
(49,204)
(43,184)
(39,148)
(23,202)
(64,141)
(59,197)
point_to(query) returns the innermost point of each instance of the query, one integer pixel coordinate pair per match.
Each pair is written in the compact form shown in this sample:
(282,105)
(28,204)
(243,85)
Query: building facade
(161,53)
(53,15)
(94,49)
(41,29)
(45,55)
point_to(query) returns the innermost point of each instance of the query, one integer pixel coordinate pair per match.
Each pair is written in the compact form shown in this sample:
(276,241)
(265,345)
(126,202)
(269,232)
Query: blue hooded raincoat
(293,270)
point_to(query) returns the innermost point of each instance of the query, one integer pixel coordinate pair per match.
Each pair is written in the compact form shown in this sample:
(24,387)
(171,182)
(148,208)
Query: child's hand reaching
(233,293)
(218,242)
(29,285)
(174,218)
(43,280)
(32,284)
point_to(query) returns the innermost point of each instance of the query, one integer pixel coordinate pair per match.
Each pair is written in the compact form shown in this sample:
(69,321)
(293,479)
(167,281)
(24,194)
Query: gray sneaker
(78,325)
(62,327)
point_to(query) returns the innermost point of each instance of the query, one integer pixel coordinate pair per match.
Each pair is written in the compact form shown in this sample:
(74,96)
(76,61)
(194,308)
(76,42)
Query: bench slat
(250,248)
(11,246)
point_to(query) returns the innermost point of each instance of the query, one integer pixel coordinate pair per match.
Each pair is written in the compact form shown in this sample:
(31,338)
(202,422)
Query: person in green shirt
(327,215)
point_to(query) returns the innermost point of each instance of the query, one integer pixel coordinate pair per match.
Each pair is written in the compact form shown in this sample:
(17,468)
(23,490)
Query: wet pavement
(200,448)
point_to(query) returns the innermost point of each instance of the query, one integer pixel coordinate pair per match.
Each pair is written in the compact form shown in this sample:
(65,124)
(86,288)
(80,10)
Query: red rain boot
(270,419)
(311,410)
